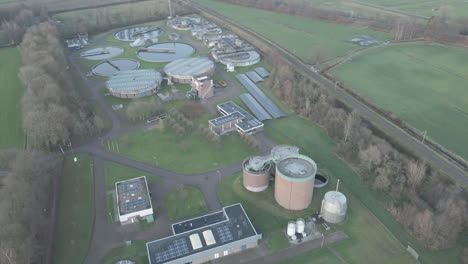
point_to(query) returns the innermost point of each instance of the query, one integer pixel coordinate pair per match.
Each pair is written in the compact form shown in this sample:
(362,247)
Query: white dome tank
(291,228)
(334,207)
(300,226)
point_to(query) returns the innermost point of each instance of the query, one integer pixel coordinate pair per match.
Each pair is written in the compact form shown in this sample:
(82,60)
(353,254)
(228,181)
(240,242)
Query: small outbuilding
(134,202)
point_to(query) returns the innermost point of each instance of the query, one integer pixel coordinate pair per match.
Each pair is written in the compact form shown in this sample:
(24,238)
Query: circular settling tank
(334,207)
(112,67)
(102,53)
(256,174)
(321,180)
(134,83)
(294,182)
(183,70)
(131,34)
(165,52)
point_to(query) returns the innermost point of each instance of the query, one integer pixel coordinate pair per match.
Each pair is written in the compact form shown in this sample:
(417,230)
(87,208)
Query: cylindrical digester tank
(294,182)
(256,173)
(291,228)
(334,207)
(300,225)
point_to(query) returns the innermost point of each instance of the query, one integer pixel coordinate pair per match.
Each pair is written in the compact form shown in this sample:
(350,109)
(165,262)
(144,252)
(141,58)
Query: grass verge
(135,252)
(184,202)
(75,214)
(11,134)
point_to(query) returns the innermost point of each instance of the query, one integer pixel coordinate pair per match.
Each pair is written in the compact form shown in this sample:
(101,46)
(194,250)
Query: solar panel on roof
(269,106)
(224,234)
(254,76)
(177,248)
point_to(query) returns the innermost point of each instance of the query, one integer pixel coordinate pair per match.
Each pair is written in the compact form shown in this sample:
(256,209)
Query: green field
(135,252)
(184,202)
(425,85)
(369,241)
(297,34)
(11,134)
(75,216)
(115,172)
(187,154)
(314,142)
(424,7)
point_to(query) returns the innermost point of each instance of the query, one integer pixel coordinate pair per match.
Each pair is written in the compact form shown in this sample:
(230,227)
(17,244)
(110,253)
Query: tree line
(24,202)
(53,111)
(426,202)
(102,19)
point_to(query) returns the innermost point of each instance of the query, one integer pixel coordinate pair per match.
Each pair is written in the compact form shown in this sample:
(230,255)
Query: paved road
(262,256)
(420,149)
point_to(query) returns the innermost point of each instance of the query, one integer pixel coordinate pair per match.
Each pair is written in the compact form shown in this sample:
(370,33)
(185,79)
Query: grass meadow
(11,134)
(425,85)
(187,154)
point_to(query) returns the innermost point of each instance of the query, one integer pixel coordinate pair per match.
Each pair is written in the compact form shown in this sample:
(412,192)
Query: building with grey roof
(133,200)
(233,118)
(183,70)
(134,83)
(205,238)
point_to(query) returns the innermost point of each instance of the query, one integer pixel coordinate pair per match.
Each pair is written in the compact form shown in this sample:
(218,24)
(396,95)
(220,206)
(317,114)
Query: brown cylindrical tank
(255,180)
(294,182)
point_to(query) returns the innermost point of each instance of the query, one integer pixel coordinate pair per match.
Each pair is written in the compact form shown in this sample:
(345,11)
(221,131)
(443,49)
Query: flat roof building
(133,200)
(205,238)
(203,85)
(234,118)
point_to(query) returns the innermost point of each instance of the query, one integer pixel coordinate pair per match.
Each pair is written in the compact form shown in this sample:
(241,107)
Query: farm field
(185,201)
(425,85)
(75,217)
(315,143)
(424,7)
(286,30)
(11,135)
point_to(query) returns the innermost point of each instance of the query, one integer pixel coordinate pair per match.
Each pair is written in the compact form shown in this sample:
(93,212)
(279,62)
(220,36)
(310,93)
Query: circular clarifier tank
(294,182)
(131,34)
(102,53)
(321,180)
(165,52)
(112,67)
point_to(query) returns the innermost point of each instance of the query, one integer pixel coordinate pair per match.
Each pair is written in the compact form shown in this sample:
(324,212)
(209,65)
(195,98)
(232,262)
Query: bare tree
(352,124)
(416,172)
